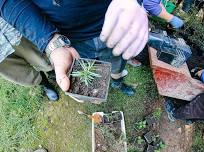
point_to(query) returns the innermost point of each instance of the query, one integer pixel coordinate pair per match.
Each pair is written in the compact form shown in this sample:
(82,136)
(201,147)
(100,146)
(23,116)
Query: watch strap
(61,41)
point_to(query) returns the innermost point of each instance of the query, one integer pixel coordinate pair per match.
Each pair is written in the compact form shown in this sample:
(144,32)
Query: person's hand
(125,28)
(176,22)
(62,59)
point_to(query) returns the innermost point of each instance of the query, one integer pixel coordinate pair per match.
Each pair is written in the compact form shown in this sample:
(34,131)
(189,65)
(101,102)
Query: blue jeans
(187,5)
(96,49)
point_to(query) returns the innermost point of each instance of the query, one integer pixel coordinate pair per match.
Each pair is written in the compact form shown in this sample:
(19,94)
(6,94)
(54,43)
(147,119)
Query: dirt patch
(177,136)
(98,86)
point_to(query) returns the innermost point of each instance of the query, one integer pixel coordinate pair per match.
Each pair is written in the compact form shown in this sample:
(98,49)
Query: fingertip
(109,45)
(64,83)
(102,37)
(65,87)
(116,52)
(125,57)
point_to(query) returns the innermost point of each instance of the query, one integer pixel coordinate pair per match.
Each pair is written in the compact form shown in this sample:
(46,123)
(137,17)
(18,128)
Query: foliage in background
(18,109)
(194,28)
(193,31)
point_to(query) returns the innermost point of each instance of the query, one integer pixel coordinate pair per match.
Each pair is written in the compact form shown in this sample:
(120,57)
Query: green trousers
(24,65)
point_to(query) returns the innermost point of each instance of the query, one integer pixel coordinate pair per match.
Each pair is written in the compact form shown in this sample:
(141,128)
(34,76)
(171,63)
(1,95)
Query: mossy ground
(58,127)
(28,120)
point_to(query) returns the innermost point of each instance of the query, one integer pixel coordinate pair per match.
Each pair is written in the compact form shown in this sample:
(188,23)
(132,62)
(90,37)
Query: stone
(174,82)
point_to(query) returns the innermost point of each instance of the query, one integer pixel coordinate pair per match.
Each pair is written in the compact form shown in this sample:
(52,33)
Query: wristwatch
(61,41)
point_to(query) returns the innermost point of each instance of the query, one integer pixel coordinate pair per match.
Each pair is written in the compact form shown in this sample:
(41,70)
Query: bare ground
(177,136)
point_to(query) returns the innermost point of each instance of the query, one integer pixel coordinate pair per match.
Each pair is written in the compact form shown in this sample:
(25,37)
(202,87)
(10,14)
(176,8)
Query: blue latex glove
(176,22)
(202,76)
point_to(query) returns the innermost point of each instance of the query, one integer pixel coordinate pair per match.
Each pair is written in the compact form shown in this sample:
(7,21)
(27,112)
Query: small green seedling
(157,113)
(140,140)
(141,125)
(155,137)
(87,74)
(161,146)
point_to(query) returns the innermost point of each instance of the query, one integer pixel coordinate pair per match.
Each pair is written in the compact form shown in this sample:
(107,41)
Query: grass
(18,109)
(198,141)
(28,120)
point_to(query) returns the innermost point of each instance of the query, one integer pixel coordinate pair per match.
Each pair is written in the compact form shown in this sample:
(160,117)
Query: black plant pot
(151,120)
(141,147)
(112,117)
(149,137)
(106,118)
(150,148)
(116,116)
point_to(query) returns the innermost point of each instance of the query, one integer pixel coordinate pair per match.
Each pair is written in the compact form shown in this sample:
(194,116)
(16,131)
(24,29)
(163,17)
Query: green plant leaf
(87,74)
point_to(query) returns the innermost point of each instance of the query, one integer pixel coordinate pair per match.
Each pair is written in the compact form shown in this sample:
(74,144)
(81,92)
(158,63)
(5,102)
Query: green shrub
(194,28)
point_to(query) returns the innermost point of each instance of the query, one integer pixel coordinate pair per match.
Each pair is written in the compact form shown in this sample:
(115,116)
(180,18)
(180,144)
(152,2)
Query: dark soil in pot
(140,144)
(109,138)
(141,147)
(150,148)
(98,88)
(151,120)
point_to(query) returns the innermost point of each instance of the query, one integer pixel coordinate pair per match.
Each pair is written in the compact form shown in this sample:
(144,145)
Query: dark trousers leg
(193,110)
(187,5)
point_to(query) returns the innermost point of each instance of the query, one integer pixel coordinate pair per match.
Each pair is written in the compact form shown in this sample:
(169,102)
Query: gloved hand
(202,76)
(176,22)
(125,28)
(62,59)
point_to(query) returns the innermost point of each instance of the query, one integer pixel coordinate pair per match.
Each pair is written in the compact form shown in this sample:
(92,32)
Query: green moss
(57,126)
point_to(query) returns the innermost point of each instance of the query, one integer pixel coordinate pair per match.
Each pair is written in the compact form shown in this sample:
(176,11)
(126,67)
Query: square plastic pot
(83,98)
(149,136)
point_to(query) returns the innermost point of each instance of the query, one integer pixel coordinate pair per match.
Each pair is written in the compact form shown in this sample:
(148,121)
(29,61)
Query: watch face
(64,41)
